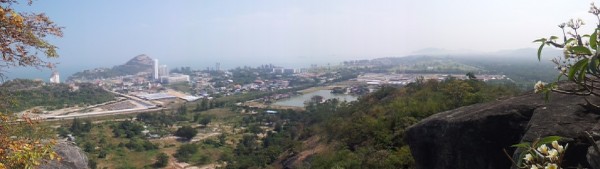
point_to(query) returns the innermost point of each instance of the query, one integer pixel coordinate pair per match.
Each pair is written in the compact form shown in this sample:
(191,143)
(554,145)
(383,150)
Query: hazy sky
(199,33)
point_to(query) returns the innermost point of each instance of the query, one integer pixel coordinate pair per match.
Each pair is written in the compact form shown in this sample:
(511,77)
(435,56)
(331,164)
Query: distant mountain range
(139,64)
(523,53)
(521,66)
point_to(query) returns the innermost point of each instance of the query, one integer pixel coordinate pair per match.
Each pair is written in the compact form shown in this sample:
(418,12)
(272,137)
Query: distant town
(143,84)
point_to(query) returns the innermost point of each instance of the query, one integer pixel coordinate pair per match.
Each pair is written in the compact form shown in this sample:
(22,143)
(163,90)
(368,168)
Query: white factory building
(174,78)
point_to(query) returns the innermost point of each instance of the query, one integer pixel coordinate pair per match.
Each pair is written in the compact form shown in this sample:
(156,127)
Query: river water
(298,101)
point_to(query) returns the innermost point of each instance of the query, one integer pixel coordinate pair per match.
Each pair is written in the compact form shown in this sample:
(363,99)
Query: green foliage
(78,127)
(28,94)
(162,160)
(185,152)
(128,129)
(364,134)
(205,120)
(186,132)
(580,61)
(137,144)
(371,130)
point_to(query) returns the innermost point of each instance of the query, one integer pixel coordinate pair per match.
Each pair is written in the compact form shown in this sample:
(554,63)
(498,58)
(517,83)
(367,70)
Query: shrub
(162,160)
(186,132)
(185,152)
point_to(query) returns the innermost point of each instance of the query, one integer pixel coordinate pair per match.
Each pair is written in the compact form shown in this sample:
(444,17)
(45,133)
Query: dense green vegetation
(364,134)
(25,94)
(369,133)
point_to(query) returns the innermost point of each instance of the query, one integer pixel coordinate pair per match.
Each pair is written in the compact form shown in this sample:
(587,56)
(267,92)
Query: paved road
(99,114)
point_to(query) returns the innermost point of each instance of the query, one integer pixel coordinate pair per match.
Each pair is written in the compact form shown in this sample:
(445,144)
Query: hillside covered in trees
(368,133)
(25,94)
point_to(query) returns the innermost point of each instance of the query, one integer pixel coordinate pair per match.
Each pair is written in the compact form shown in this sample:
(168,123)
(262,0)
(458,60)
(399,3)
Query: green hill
(21,94)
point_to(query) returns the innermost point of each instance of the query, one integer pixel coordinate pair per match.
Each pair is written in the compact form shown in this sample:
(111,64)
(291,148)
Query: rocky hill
(72,157)
(475,136)
(139,64)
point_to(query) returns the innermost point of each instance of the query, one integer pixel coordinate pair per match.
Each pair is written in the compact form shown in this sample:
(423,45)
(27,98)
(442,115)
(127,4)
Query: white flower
(551,166)
(562,25)
(528,157)
(580,21)
(558,147)
(539,86)
(563,69)
(533,167)
(552,154)
(543,149)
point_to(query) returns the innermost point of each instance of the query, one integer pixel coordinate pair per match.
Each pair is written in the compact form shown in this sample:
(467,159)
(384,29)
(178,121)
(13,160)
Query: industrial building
(175,78)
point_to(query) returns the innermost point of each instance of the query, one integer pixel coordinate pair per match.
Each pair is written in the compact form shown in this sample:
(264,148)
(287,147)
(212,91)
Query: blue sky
(199,33)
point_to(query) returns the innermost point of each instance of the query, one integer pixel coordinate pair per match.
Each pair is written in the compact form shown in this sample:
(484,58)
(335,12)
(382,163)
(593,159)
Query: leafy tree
(128,129)
(162,160)
(186,132)
(79,127)
(185,152)
(88,147)
(23,37)
(205,120)
(471,76)
(24,144)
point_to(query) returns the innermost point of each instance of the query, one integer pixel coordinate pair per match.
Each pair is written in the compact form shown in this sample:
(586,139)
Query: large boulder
(476,136)
(72,157)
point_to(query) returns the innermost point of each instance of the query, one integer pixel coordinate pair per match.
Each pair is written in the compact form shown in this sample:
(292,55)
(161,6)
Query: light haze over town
(291,33)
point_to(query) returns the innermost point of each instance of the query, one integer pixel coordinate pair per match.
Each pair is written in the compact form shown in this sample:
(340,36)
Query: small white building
(55,77)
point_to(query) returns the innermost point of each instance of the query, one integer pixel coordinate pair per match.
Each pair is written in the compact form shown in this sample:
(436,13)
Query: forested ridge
(25,94)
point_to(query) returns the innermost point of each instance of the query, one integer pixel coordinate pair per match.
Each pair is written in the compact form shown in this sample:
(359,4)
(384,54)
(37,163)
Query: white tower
(155,69)
(55,78)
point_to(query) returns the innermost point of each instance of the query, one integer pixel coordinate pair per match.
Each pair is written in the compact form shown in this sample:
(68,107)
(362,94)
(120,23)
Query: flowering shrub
(544,153)
(580,61)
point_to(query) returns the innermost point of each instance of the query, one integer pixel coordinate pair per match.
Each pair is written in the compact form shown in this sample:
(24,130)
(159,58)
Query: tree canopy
(23,37)
(24,144)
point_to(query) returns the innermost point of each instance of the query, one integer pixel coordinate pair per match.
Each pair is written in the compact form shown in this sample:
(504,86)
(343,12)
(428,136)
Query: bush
(140,145)
(186,132)
(102,154)
(185,152)
(162,160)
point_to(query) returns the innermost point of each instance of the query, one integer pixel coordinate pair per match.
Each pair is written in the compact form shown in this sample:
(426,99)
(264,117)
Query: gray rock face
(594,157)
(72,157)
(475,136)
